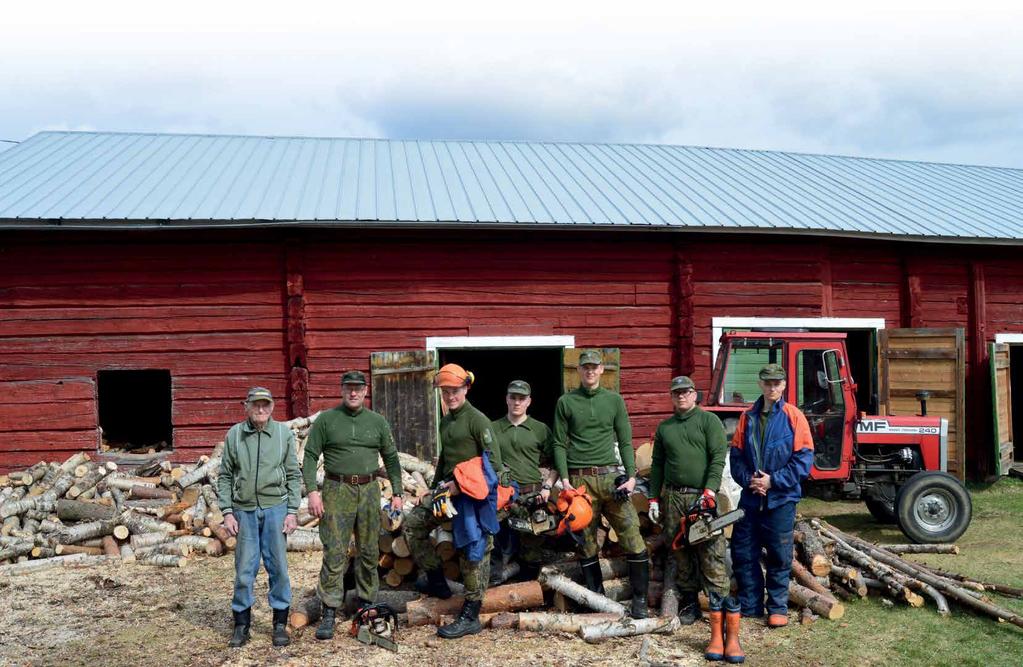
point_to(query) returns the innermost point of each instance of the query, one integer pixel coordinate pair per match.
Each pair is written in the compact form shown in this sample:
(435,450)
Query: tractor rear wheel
(933,507)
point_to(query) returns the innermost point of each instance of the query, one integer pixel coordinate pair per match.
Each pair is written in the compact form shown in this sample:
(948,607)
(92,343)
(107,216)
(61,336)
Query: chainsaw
(540,519)
(376,624)
(701,522)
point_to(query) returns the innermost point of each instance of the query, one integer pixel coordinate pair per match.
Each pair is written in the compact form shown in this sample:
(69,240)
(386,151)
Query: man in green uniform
(688,458)
(588,423)
(465,433)
(350,437)
(525,444)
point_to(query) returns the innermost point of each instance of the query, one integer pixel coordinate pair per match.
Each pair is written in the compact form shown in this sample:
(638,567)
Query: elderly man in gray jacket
(259,490)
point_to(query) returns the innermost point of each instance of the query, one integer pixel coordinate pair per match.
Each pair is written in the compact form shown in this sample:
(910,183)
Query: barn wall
(209,307)
(366,295)
(209,312)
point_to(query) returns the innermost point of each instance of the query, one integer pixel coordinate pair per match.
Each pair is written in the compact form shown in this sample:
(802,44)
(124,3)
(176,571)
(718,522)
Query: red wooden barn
(147,280)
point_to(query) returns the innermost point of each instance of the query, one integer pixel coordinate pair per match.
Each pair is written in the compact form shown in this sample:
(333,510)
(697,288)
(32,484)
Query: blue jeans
(261,532)
(772,531)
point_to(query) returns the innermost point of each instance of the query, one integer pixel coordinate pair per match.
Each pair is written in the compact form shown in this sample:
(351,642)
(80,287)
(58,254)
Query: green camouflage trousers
(348,509)
(621,515)
(702,565)
(417,526)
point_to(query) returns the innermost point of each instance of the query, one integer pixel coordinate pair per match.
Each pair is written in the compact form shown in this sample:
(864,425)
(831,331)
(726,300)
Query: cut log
(90,480)
(150,492)
(410,463)
(229,540)
(110,547)
(551,579)
(822,604)
(384,543)
(77,510)
(304,540)
(628,627)
(162,560)
(553,622)
(510,597)
(811,549)
(12,507)
(804,578)
(393,579)
(208,545)
(127,554)
(60,487)
(920,548)
(140,523)
(85,531)
(452,570)
(400,548)
(200,473)
(404,566)
(65,549)
(73,462)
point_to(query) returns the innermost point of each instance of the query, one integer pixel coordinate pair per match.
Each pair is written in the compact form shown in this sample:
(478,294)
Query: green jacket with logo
(689,450)
(259,468)
(350,443)
(587,422)
(523,447)
(464,434)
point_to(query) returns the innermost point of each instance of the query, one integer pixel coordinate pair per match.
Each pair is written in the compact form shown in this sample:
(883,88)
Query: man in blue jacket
(772,452)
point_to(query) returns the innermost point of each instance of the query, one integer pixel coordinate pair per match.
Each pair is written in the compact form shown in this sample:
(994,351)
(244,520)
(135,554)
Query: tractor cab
(819,384)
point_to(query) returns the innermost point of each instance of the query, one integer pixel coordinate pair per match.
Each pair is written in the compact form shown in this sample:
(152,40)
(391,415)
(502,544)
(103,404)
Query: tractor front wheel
(933,507)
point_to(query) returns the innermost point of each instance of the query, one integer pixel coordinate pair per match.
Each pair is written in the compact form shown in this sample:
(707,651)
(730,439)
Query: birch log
(554,622)
(562,584)
(628,627)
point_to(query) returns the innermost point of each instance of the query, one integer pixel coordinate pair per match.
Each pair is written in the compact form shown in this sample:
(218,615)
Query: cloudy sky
(932,81)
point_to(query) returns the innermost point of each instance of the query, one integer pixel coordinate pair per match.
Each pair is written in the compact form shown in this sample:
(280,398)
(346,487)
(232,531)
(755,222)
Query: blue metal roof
(122,180)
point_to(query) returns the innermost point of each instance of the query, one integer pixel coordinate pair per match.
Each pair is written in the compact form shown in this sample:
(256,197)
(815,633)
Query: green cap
(520,387)
(259,394)
(681,382)
(772,372)
(590,357)
(353,377)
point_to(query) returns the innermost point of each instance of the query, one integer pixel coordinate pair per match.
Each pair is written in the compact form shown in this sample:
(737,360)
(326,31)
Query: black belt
(684,489)
(593,470)
(349,479)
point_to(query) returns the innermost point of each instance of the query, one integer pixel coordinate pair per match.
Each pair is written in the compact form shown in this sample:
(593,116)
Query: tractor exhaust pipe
(922,396)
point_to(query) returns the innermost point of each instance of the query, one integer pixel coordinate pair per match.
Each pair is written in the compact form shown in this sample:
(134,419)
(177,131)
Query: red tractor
(896,464)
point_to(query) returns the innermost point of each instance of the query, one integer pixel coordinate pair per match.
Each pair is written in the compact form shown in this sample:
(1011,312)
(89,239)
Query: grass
(872,634)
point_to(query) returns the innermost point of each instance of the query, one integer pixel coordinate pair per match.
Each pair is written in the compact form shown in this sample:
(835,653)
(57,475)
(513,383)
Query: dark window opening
(135,409)
(1016,394)
(495,368)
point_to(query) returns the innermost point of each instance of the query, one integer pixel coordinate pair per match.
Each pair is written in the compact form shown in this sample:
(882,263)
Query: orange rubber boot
(716,647)
(733,650)
(777,620)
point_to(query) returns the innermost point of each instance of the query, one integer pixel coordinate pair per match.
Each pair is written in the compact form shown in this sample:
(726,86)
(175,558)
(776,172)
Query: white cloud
(916,80)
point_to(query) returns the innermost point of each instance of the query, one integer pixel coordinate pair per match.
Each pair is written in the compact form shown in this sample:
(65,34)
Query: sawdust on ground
(134,614)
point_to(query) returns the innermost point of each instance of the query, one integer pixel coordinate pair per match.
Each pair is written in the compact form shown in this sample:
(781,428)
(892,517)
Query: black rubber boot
(435,585)
(639,579)
(326,629)
(280,631)
(593,577)
(467,623)
(689,608)
(242,622)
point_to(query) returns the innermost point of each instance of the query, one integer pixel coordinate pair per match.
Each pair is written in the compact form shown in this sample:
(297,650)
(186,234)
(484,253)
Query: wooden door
(931,360)
(403,392)
(611,379)
(1001,406)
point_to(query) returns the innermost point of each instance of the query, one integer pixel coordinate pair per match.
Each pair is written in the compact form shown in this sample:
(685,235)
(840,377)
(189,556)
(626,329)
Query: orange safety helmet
(452,375)
(576,509)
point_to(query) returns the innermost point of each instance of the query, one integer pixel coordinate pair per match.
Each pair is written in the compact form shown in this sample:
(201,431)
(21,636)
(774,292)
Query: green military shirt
(523,447)
(586,424)
(350,443)
(464,434)
(689,450)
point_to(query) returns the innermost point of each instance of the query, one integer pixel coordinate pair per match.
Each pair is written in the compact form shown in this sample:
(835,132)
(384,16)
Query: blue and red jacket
(784,451)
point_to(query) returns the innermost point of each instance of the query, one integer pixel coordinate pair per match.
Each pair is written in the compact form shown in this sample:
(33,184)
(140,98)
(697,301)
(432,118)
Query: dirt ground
(134,614)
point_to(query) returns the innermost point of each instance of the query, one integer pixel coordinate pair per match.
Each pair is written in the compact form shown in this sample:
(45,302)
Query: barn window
(135,409)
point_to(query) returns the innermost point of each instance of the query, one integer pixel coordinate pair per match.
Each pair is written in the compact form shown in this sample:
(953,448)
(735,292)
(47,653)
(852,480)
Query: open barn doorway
(860,342)
(496,361)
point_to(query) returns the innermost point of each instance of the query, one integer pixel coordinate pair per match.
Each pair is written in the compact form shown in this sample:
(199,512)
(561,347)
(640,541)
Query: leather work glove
(654,511)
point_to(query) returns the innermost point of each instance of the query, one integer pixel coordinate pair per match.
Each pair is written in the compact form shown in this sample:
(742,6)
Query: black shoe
(689,609)
(467,623)
(591,572)
(639,579)
(326,629)
(280,632)
(435,585)
(242,622)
